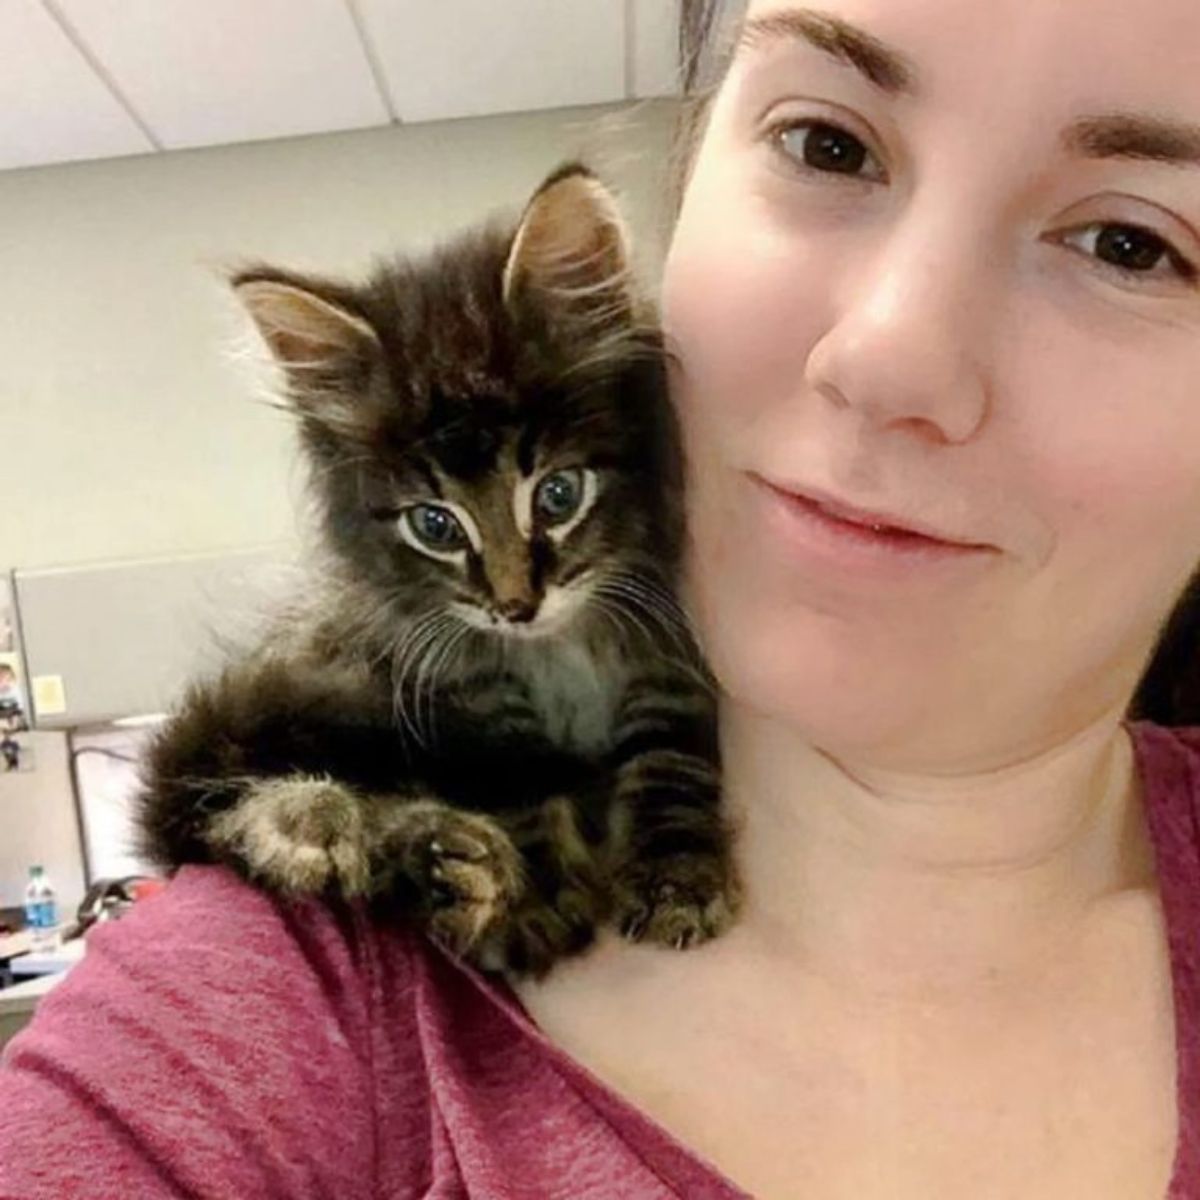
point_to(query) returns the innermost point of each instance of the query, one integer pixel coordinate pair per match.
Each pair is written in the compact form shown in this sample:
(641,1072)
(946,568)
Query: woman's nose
(905,349)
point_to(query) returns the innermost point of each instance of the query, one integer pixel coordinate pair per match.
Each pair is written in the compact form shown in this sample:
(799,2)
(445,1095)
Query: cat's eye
(435,527)
(559,496)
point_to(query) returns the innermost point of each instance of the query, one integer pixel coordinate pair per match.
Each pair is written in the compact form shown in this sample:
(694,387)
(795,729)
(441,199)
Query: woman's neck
(928,886)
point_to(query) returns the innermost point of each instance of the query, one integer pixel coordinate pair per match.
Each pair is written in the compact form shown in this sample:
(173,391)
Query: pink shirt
(216,1043)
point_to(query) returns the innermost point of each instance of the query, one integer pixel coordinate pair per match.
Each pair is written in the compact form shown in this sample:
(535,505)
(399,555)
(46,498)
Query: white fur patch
(558,609)
(575,694)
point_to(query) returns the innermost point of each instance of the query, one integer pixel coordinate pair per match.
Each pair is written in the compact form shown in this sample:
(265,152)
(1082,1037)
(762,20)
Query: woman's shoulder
(235,947)
(255,1024)
(1168,760)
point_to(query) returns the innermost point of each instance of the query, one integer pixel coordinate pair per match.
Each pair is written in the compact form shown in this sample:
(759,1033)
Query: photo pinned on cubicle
(13,703)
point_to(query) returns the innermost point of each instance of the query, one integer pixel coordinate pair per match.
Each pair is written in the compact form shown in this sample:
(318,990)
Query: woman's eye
(820,146)
(437,527)
(559,495)
(1132,250)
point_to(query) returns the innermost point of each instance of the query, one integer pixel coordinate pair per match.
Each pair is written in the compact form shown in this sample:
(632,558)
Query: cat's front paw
(297,834)
(679,901)
(538,933)
(465,867)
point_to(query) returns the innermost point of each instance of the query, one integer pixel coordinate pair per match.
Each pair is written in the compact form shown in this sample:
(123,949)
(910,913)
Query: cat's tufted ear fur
(572,248)
(302,328)
(330,354)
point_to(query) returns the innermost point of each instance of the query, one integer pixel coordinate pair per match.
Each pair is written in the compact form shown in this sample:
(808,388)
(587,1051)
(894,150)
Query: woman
(934,291)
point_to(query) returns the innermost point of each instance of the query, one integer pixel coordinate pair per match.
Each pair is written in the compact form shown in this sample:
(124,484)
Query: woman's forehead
(1101,51)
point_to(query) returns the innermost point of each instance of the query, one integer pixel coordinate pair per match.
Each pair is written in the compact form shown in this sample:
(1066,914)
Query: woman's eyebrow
(880,64)
(1104,136)
(1134,135)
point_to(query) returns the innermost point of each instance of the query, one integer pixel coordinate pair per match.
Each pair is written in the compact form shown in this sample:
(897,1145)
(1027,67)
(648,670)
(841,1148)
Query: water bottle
(41,911)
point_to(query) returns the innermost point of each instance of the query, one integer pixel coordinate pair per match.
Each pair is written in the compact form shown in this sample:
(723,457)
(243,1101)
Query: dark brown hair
(704,52)
(1169,692)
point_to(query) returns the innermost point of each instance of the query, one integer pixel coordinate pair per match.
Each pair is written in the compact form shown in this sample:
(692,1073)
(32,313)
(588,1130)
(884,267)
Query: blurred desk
(12,944)
(47,962)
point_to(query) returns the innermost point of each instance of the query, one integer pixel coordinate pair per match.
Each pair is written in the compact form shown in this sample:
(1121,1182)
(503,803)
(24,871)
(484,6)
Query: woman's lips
(878,522)
(830,530)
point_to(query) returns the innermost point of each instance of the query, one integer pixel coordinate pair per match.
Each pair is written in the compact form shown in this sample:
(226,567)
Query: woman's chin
(853,704)
(821,701)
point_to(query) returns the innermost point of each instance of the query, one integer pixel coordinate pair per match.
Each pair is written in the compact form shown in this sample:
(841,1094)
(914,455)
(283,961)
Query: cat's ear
(303,330)
(328,353)
(572,248)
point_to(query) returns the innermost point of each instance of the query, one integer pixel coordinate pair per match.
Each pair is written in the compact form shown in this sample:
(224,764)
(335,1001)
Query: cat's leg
(673,876)
(294,774)
(249,752)
(494,756)
(298,834)
(458,872)
(565,901)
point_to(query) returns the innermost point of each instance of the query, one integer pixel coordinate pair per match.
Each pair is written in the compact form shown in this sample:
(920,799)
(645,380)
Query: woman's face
(945,268)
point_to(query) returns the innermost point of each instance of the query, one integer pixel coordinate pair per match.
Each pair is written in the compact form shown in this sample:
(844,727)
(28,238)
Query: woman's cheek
(744,292)
(1106,445)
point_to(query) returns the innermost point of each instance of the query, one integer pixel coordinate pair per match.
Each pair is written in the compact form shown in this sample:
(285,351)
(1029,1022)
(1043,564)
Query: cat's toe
(539,933)
(298,834)
(467,872)
(678,902)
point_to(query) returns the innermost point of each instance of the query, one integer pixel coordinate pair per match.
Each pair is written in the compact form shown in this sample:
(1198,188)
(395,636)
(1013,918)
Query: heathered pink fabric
(218,1044)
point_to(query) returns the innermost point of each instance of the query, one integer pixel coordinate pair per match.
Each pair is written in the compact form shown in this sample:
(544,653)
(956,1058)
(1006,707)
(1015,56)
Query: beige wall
(40,824)
(125,428)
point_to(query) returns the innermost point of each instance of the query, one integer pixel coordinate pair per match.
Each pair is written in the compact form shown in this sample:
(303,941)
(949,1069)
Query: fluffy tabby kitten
(485,706)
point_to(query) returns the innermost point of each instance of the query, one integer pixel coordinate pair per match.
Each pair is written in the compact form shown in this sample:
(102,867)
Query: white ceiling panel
(459,58)
(655,47)
(53,107)
(200,74)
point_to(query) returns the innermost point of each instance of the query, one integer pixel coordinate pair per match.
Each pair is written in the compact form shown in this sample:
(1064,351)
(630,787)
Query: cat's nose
(517,610)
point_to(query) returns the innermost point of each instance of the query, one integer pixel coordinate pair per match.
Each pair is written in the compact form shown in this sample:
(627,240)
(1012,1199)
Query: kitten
(486,706)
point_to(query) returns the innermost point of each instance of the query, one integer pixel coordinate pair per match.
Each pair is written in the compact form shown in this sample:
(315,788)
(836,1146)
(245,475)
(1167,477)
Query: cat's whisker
(618,591)
(426,673)
(601,609)
(411,650)
(428,649)
(617,613)
(621,604)
(688,661)
(663,613)
(452,643)
(648,583)
(424,687)
(375,627)
(656,601)
(400,713)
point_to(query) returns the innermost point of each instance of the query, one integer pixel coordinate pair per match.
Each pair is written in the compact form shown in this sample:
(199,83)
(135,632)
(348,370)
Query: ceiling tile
(233,70)
(655,47)
(458,58)
(53,107)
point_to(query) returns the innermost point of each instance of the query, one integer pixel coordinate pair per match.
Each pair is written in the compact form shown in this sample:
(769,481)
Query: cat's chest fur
(575,690)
